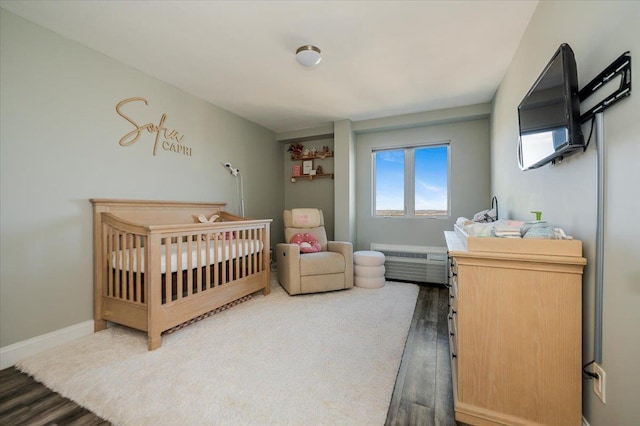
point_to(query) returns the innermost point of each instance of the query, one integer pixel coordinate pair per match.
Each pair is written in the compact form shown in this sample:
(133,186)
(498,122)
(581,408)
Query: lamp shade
(308,56)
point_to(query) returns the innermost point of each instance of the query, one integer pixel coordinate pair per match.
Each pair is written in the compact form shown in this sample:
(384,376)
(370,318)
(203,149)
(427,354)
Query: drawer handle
(453,311)
(453,355)
(452,334)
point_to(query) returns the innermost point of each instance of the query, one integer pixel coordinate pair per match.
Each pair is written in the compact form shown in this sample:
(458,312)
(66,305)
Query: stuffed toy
(308,243)
(226,236)
(203,219)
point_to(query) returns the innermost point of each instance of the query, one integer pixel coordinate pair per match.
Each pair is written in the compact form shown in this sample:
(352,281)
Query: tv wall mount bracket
(622,65)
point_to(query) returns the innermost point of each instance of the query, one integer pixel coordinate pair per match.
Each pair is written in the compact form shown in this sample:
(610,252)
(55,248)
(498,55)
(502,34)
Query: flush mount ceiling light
(308,56)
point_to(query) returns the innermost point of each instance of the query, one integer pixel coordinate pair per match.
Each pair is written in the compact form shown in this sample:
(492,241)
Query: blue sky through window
(390,180)
(430,181)
(431,173)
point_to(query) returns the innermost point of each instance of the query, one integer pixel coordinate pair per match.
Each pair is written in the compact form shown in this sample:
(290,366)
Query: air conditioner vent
(414,263)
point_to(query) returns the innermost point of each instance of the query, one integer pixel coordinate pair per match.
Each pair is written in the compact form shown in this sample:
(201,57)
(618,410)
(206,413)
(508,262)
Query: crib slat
(254,249)
(216,261)
(197,279)
(261,252)
(245,253)
(207,246)
(249,254)
(168,283)
(237,256)
(104,273)
(130,277)
(138,271)
(246,250)
(118,270)
(189,266)
(178,269)
(223,264)
(199,287)
(109,260)
(123,265)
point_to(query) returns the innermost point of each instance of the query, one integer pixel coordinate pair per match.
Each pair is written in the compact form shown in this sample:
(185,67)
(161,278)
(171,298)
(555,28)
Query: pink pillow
(308,243)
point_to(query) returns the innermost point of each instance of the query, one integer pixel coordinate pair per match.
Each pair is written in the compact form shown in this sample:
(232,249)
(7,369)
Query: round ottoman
(368,269)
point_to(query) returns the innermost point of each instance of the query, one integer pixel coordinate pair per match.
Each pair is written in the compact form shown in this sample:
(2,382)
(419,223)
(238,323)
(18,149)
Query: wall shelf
(319,155)
(311,177)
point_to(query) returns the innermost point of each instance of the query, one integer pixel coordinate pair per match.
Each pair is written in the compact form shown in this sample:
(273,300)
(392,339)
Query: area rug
(327,358)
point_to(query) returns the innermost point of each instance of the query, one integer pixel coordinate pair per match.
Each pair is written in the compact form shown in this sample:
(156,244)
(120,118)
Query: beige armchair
(329,269)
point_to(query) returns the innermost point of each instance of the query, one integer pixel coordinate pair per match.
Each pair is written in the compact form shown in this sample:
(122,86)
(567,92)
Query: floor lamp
(236,173)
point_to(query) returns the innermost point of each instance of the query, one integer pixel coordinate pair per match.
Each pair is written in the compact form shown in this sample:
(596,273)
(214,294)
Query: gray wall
(318,193)
(598,32)
(469,185)
(59,135)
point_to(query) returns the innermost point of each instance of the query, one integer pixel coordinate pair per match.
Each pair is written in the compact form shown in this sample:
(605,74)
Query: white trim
(585,422)
(12,354)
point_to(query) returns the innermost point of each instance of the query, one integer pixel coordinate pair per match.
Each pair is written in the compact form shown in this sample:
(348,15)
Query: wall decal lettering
(172,138)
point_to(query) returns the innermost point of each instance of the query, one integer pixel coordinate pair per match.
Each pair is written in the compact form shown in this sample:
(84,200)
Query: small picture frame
(307,166)
(296,170)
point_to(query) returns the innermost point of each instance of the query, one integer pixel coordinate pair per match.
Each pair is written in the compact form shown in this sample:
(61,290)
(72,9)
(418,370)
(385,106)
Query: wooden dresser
(515,326)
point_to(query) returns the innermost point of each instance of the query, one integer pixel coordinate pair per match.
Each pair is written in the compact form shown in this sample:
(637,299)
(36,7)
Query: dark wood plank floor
(422,394)
(23,401)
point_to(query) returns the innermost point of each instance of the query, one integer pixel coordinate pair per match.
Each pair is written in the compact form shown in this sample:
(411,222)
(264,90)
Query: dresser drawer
(452,321)
(453,356)
(453,267)
(453,294)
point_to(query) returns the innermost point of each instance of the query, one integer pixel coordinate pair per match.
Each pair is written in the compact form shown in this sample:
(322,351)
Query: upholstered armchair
(326,270)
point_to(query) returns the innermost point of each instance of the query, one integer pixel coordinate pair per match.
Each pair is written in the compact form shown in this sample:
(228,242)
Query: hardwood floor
(23,401)
(422,395)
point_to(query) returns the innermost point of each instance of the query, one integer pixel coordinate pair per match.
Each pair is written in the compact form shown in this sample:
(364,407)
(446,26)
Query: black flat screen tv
(549,114)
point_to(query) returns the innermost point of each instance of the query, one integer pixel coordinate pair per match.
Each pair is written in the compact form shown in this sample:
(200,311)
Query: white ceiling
(380,58)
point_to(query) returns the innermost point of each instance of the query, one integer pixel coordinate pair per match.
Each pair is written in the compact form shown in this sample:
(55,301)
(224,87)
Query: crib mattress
(219,252)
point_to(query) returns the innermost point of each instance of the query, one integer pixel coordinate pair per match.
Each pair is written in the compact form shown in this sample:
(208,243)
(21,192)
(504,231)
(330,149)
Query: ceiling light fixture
(308,56)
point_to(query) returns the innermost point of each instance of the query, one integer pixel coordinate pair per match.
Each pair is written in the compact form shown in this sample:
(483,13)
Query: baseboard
(12,354)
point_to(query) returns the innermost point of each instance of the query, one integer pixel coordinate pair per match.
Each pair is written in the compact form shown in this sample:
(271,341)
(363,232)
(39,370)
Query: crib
(157,267)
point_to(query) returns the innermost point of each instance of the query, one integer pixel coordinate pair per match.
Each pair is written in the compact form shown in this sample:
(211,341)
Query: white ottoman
(368,269)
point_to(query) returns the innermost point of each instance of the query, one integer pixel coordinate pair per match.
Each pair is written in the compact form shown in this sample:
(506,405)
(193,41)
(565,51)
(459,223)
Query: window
(411,182)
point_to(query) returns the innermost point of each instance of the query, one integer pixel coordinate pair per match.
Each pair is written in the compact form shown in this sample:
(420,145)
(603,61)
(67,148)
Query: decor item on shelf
(307,167)
(308,56)
(296,170)
(324,152)
(319,170)
(296,149)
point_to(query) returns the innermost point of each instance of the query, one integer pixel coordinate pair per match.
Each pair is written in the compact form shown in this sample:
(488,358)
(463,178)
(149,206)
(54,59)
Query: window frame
(410,179)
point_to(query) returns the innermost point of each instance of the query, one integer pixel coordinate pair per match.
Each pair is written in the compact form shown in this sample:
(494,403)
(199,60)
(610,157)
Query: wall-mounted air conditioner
(414,263)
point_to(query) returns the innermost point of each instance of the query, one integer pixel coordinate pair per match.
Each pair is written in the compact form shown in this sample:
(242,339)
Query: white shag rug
(327,358)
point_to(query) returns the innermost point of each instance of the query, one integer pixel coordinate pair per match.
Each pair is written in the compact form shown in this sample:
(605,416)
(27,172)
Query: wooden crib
(156,266)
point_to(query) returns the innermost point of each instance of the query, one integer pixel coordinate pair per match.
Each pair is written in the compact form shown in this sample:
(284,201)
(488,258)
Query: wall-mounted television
(549,114)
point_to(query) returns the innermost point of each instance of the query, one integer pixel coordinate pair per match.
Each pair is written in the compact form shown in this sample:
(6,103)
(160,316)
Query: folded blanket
(462,221)
(542,230)
(506,231)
